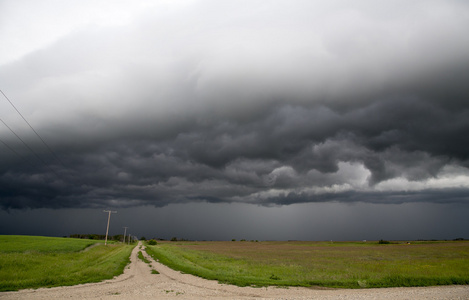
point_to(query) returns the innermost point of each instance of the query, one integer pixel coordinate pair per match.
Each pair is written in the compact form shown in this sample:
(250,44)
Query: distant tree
(92,237)
(89,236)
(143,238)
(118,237)
(152,242)
(174,239)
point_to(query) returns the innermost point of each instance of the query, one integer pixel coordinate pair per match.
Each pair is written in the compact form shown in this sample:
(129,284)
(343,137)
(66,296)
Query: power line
(24,143)
(30,149)
(11,149)
(37,134)
(14,151)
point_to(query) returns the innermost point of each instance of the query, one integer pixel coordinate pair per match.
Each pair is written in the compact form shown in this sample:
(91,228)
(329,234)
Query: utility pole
(108,218)
(125,231)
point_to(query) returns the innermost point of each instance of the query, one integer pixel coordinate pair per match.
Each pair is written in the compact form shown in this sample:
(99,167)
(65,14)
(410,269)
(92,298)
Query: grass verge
(340,265)
(33,262)
(42,244)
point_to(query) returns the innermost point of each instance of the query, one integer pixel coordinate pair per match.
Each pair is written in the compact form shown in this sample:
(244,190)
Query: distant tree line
(175,239)
(118,237)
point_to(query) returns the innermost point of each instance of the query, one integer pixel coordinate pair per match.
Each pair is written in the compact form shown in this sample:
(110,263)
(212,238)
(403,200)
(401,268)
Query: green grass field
(32,261)
(338,264)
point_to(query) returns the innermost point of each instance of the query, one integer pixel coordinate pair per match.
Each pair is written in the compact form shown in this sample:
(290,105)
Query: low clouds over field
(268,103)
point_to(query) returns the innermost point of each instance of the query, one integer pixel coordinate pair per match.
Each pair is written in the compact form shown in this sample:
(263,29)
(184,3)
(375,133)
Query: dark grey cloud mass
(267,103)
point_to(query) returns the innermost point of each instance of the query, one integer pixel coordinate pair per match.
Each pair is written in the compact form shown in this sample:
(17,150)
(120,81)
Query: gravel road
(137,282)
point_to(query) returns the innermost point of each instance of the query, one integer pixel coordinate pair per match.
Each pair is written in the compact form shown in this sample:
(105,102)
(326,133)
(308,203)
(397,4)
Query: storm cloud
(267,103)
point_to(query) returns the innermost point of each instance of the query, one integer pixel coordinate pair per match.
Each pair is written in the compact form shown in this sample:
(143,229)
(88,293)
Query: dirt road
(137,283)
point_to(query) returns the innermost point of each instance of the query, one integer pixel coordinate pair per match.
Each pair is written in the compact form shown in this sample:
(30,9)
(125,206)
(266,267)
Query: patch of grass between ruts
(341,265)
(143,258)
(140,255)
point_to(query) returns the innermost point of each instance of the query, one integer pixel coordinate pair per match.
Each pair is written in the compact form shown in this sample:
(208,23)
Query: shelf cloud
(266,103)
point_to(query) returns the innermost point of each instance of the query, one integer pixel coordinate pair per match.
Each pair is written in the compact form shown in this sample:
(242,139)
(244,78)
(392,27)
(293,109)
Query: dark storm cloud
(268,105)
(287,150)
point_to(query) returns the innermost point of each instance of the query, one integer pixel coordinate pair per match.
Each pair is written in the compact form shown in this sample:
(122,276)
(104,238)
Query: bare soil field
(138,282)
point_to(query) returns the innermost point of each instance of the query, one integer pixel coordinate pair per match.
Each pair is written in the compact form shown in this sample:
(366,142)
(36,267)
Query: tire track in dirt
(137,282)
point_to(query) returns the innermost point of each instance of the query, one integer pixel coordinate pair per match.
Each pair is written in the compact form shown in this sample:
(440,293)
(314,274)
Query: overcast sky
(248,118)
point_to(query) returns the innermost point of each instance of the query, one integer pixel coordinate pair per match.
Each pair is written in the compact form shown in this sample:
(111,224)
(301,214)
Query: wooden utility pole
(108,218)
(125,231)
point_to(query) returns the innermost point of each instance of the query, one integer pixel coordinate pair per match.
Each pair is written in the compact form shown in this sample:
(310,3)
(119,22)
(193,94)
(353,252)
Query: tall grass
(32,262)
(345,265)
(21,243)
